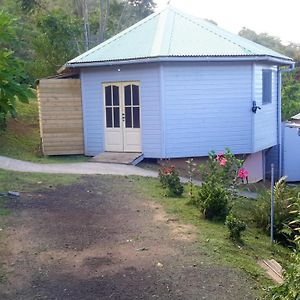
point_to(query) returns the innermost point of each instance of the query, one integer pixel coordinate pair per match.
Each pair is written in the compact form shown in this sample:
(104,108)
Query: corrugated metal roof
(297,117)
(172,33)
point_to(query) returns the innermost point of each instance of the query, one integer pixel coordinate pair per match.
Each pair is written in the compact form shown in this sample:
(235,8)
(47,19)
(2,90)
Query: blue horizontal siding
(207,107)
(291,149)
(265,120)
(93,115)
(188,109)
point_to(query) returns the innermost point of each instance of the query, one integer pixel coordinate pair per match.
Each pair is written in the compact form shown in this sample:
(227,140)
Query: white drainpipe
(279,73)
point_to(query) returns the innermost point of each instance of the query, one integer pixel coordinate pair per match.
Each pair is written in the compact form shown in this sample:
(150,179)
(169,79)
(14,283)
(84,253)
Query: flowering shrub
(169,179)
(243,174)
(221,174)
(224,168)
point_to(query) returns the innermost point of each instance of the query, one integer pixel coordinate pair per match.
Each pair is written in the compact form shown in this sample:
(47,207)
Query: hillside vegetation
(21,139)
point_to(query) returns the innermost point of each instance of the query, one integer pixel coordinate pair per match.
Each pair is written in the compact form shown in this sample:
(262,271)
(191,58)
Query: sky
(276,17)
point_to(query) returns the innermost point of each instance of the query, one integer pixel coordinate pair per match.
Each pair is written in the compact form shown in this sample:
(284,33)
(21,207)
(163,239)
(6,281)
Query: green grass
(213,237)
(29,182)
(21,140)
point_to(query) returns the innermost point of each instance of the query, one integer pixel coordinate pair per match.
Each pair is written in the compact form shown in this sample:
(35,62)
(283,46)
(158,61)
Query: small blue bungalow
(174,86)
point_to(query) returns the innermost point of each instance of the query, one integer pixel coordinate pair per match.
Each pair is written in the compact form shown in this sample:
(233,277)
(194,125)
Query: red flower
(223,162)
(220,156)
(243,173)
(168,170)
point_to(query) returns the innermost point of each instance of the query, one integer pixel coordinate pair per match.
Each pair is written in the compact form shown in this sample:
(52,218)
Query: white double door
(122,117)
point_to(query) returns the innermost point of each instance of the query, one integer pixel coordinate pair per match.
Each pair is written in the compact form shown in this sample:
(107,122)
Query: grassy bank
(213,237)
(21,140)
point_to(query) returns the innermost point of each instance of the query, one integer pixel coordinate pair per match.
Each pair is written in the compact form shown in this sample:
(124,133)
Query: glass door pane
(112,106)
(132,106)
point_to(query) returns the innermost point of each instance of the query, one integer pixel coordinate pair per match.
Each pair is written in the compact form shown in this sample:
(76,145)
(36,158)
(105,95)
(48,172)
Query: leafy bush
(212,200)
(12,76)
(235,227)
(290,289)
(295,223)
(284,198)
(221,174)
(169,179)
(224,169)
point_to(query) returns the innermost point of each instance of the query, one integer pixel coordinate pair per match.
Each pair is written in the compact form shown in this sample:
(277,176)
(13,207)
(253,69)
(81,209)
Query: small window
(266,86)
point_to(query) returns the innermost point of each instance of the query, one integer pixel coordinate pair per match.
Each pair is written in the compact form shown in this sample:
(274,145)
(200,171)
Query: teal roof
(297,117)
(172,33)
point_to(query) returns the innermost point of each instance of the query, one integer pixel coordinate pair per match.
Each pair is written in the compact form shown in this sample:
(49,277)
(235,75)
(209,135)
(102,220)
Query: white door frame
(122,139)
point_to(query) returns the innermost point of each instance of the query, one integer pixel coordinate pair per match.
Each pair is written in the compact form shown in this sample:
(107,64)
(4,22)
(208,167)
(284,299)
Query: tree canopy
(39,36)
(50,32)
(12,75)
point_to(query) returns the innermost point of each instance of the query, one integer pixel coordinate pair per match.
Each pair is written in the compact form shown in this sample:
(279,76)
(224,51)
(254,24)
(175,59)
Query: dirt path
(99,240)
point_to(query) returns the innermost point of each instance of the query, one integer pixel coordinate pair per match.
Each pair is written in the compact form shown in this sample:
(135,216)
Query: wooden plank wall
(60,112)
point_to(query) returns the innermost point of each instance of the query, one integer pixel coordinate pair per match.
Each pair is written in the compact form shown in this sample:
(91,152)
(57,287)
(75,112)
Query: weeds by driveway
(99,239)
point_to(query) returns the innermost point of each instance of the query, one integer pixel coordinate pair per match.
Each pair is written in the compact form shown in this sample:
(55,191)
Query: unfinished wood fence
(60,112)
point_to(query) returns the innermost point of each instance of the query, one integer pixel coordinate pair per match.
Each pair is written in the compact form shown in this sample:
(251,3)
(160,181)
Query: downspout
(279,83)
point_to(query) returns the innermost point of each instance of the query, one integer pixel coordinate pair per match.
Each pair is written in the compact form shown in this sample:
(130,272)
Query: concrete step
(125,158)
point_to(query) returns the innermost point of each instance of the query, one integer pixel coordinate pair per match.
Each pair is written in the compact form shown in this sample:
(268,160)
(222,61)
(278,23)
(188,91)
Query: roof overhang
(248,58)
(293,125)
(296,118)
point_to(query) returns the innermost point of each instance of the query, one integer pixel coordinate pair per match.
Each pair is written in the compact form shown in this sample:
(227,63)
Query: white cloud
(278,18)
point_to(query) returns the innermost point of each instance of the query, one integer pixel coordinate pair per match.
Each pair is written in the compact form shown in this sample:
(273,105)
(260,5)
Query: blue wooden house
(174,86)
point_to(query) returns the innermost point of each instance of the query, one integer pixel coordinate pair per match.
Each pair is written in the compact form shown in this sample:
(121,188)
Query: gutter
(279,83)
(263,58)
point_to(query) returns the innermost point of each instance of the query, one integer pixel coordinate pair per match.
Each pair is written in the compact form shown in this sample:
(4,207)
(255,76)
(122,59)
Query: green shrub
(290,289)
(221,174)
(294,225)
(284,198)
(224,169)
(235,227)
(212,201)
(169,179)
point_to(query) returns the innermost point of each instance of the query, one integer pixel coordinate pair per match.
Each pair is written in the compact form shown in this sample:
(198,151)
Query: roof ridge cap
(172,31)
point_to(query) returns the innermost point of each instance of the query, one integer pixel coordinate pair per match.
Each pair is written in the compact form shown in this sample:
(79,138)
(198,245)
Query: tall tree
(104,15)
(55,42)
(82,12)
